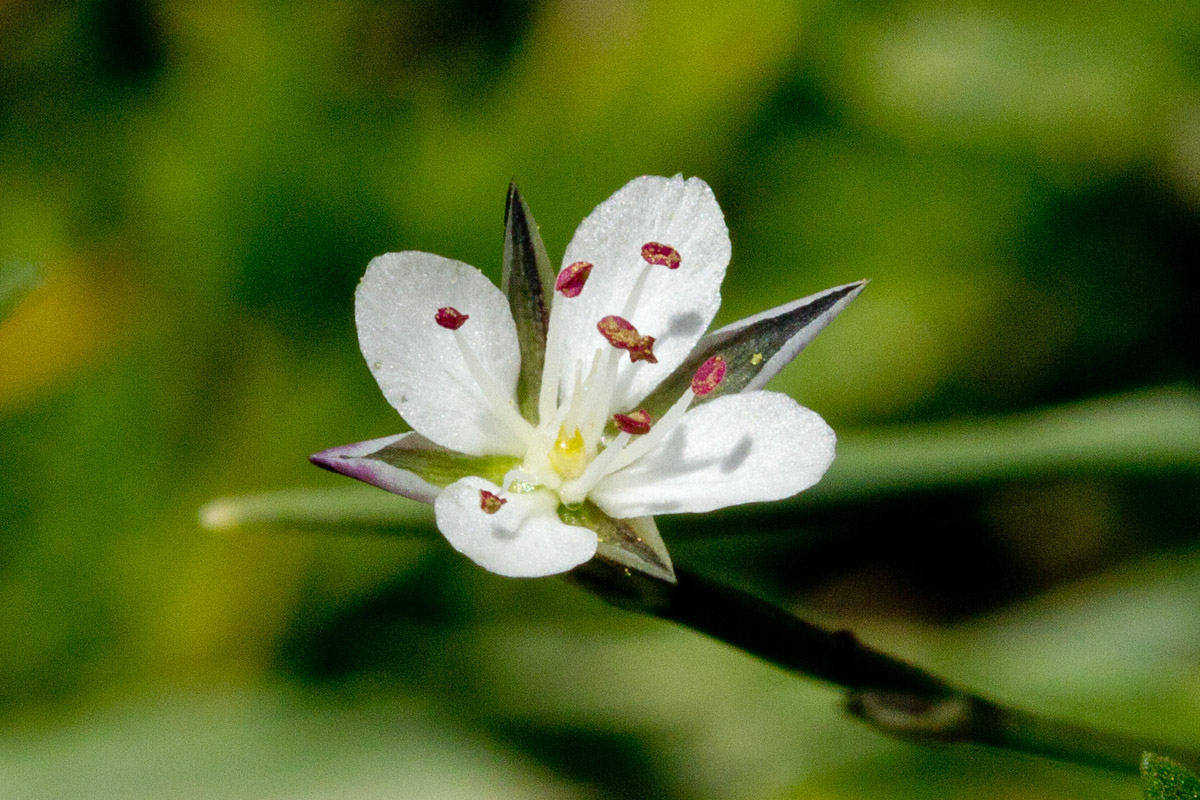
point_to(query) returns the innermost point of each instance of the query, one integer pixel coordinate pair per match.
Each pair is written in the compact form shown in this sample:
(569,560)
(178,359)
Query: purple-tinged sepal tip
(407,464)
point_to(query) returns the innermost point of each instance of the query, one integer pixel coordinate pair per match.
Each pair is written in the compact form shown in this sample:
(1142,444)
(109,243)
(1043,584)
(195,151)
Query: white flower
(555,416)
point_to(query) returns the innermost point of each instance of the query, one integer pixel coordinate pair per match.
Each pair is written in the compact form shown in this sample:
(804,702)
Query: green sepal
(410,465)
(527,280)
(1163,779)
(755,349)
(444,467)
(633,544)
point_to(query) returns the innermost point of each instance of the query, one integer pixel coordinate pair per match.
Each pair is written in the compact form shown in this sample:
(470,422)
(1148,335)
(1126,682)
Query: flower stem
(886,692)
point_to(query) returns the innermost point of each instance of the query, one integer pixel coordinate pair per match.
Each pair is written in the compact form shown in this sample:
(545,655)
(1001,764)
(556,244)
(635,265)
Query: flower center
(578,457)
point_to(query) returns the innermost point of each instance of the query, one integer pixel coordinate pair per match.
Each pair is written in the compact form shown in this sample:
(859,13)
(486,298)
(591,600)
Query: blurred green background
(198,187)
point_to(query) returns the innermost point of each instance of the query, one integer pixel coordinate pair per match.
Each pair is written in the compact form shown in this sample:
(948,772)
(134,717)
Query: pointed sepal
(756,348)
(410,465)
(633,544)
(527,280)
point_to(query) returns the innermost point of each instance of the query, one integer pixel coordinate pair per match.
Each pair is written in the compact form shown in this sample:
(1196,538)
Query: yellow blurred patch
(71,321)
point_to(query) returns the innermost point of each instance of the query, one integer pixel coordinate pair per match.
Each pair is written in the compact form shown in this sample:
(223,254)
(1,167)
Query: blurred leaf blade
(17,279)
(1155,429)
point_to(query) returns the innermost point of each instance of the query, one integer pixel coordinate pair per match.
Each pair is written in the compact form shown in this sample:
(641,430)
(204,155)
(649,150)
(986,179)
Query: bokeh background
(197,188)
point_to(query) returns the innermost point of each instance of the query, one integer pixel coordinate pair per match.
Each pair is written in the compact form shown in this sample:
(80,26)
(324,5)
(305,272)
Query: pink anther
(661,255)
(621,334)
(709,376)
(636,423)
(450,318)
(571,280)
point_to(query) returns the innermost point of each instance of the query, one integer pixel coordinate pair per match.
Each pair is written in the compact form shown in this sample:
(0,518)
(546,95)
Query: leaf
(17,279)
(408,464)
(756,348)
(232,740)
(527,280)
(1152,429)
(1163,779)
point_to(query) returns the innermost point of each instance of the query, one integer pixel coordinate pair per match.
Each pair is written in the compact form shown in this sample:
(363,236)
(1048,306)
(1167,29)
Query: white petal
(676,306)
(524,539)
(738,448)
(417,363)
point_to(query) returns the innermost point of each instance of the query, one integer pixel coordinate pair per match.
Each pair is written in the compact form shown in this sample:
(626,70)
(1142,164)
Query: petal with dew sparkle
(675,306)
(417,362)
(523,538)
(739,448)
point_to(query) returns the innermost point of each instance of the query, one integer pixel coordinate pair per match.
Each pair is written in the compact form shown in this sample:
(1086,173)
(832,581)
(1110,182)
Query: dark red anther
(636,423)
(661,254)
(709,376)
(450,318)
(571,280)
(621,334)
(490,503)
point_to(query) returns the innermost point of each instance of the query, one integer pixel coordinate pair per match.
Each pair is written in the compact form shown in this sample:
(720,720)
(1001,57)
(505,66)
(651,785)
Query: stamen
(657,434)
(661,254)
(575,491)
(597,394)
(706,379)
(709,376)
(637,423)
(569,283)
(450,318)
(635,294)
(571,280)
(622,335)
(490,503)
(572,413)
(520,481)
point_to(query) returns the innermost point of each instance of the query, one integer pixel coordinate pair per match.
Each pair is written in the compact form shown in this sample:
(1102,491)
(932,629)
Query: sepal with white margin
(408,464)
(756,348)
(633,544)
(527,280)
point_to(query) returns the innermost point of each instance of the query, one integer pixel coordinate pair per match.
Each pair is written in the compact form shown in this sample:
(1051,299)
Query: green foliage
(16,281)
(1163,779)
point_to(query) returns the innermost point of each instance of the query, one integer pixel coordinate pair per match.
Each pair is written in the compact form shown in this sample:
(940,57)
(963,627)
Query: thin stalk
(886,692)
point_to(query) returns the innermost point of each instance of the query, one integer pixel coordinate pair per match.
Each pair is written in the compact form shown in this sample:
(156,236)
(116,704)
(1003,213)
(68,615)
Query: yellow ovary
(568,456)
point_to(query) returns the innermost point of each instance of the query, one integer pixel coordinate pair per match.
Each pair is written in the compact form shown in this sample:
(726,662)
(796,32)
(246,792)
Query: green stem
(890,694)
